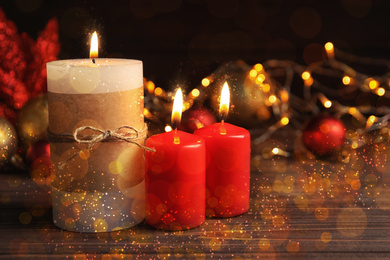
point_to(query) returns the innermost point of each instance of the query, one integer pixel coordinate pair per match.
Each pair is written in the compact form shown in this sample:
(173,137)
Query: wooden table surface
(301,208)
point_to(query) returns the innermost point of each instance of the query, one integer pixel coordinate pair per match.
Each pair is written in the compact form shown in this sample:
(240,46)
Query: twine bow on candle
(131,136)
(110,136)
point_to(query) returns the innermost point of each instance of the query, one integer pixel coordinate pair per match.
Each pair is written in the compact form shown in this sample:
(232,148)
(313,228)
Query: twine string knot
(132,135)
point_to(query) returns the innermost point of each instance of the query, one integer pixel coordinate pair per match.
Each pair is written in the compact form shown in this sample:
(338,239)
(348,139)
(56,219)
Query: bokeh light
(306,75)
(205,82)
(28,6)
(357,8)
(223,8)
(346,80)
(313,53)
(305,22)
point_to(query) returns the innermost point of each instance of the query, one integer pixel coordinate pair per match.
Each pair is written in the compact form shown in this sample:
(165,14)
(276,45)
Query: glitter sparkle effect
(298,205)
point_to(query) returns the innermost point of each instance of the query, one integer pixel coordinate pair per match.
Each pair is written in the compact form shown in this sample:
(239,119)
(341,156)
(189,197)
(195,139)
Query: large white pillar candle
(97,187)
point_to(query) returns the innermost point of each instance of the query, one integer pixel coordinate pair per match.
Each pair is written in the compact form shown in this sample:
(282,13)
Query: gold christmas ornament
(8,141)
(250,92)
(33,121)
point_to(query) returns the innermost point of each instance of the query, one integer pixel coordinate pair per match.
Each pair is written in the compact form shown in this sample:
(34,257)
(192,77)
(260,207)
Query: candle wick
(93,60)
(222,116)
(176,138)
(222,128)
(174,125)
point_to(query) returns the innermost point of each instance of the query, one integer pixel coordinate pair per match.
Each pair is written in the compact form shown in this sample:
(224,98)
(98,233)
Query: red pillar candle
(175,180)
(227,167)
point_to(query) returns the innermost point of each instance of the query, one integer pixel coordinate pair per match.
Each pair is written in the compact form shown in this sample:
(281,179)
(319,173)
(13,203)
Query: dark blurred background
(182,41)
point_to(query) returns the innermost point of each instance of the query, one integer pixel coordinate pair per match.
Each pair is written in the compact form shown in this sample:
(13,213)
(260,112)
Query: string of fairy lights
(274,79)
(352,78)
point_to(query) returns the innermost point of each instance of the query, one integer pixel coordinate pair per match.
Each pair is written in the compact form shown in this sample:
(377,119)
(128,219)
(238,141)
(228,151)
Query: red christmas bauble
(37,150)
(324,135)
(195,118)
(38,156)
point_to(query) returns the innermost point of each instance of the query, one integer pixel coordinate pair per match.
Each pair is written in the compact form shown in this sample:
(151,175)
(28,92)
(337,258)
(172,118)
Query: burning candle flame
(93,53)
(177,108)
(225,100)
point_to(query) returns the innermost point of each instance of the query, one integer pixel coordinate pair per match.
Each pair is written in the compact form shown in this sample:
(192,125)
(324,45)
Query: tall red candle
(175,180)
(227,168)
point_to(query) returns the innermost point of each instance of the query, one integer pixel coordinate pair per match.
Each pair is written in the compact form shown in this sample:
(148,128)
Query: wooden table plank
(333,221)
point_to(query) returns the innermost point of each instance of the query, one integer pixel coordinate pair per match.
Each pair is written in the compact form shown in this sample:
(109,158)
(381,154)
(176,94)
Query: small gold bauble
(247,98)
(8,141)
(33,121)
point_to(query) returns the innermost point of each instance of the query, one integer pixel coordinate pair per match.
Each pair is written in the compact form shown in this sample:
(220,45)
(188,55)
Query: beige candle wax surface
(99,187)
